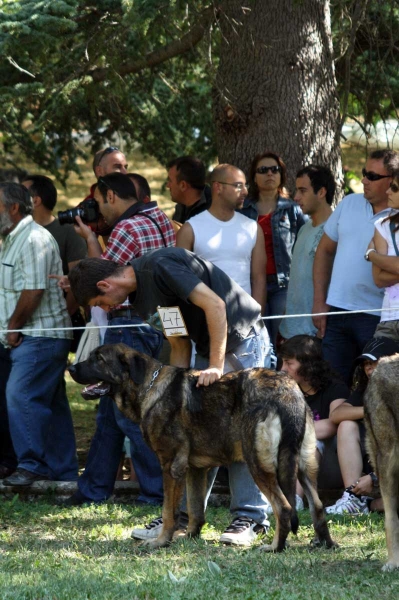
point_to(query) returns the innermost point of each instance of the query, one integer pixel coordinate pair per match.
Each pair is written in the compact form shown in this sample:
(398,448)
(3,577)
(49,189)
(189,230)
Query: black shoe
(5,471)
(77,499)
(24,477)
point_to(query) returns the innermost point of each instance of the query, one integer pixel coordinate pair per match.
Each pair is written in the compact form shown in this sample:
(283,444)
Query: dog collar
(154,376)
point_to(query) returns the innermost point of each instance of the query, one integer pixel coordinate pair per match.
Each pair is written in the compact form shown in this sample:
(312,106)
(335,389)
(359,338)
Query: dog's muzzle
(95,390)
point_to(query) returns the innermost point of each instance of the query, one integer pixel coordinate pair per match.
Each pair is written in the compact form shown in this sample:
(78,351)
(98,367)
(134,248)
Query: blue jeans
(275,305)
(345,338)
(98,480)
(7,454)
(246,498)
(38,410)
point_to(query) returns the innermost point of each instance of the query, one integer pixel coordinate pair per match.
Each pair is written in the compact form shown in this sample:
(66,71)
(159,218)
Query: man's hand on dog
(209,376)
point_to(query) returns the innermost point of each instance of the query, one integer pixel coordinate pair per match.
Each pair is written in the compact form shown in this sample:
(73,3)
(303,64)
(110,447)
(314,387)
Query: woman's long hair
(307,351)
(253,191)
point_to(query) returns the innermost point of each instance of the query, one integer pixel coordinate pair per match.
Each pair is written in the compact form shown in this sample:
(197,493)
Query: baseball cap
(378,347)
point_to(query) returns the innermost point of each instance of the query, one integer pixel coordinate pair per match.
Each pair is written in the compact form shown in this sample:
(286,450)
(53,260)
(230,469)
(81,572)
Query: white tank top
(227,244)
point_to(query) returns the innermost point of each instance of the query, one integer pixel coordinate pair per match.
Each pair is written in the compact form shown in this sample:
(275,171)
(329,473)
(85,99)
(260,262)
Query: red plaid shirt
(133,237)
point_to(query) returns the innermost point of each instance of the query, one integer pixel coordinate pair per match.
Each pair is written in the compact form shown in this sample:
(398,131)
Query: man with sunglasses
(137,228)
(343,280)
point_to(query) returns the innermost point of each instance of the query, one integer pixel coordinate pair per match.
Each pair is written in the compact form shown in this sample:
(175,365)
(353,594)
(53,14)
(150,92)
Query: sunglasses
(108,150)
(371,176)
(263,170)
(394,187)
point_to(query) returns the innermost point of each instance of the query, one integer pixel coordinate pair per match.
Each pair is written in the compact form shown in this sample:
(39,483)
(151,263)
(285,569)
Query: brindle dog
(381,415)
(255,415)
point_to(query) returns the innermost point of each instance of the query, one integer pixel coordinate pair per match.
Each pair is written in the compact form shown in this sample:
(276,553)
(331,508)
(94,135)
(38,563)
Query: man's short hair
(100,155)
(119,183)
(16,193)
(385,154)
(189,169)
(143,187)
(43,187)
(391,163)
(84,277)
(319,177)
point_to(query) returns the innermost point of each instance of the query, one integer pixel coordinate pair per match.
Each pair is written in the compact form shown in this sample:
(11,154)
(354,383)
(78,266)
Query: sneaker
(299,505)
(242,532)
(349,504)
(152,530)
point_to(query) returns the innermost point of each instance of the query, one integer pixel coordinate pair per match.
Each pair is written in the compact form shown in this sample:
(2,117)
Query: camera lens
(68,216)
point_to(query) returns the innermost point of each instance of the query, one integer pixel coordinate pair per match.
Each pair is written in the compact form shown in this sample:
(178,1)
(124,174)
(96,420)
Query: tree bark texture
(275,88)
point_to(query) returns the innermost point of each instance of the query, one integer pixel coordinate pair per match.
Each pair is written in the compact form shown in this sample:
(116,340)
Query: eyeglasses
(371,176)
(394,187)
(239,186)
(108,150)
(263,170)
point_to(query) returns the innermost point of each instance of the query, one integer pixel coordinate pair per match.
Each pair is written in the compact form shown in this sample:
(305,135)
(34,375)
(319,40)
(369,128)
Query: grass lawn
(50,553)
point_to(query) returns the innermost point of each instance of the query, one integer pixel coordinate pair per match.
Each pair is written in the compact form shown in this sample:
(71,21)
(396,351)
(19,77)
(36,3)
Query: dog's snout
(72,369)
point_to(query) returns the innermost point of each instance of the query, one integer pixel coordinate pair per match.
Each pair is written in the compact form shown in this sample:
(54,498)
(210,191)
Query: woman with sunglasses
(281,218)
(383,252)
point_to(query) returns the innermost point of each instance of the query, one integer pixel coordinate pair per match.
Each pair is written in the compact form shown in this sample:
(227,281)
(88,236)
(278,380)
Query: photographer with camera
(137,228)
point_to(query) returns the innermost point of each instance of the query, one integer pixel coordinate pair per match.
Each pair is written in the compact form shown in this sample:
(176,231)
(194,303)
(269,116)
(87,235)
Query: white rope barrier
(297,316)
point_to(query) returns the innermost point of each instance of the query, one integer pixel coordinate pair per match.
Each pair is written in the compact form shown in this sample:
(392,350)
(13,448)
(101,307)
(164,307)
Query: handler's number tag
(172,321)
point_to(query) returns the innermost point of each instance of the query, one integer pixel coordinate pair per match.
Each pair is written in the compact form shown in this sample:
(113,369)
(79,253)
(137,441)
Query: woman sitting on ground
(302,359)
(352,455)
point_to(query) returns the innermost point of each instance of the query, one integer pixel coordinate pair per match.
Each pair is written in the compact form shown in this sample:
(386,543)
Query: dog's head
(115,370)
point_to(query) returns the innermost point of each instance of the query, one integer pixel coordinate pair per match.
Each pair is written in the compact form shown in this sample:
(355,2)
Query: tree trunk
(275,88)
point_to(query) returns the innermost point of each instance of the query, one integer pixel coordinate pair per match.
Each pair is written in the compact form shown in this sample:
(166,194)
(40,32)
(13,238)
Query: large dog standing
(254,415)
(381,414)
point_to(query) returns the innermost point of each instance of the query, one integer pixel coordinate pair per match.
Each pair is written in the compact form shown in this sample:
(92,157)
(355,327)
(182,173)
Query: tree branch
(357,20)
(175,48)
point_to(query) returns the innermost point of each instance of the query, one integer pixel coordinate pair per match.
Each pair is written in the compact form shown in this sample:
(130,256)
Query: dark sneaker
(242,532)
(23,477)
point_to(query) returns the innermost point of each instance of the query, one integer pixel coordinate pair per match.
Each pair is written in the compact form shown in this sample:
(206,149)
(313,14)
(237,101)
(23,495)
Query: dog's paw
(159,542)
(390,566)
(327,544)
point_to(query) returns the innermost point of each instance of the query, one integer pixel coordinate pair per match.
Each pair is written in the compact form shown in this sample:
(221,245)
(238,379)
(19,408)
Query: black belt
(272,278)
(118,313)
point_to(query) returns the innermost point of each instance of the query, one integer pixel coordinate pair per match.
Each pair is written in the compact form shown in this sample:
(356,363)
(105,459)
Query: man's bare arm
(180,352)
(215,314)
(258,270)
(322,269)
(185,237)
(28,302)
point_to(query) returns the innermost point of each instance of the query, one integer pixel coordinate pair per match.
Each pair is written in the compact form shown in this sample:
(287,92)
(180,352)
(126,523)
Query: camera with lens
(87,210)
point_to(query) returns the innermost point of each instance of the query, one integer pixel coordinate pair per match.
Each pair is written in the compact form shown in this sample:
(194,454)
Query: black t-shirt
(167,277)
(356,398)
(320,402)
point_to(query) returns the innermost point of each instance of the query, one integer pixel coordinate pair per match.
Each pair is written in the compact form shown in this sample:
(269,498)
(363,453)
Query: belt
(118,313)
(272,278)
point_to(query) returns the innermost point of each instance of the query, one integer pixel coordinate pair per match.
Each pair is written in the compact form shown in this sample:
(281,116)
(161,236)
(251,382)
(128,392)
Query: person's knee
(348,429)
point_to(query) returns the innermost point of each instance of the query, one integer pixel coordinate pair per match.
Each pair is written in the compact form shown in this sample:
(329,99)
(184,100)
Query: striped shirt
(137,235)
(28,255)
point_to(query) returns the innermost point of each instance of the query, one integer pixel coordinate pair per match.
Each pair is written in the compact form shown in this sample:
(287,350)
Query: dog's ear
(135,364)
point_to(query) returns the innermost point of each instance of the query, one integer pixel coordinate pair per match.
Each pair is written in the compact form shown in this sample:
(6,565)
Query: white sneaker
(299,505)
(150,532)
(349,504)
(242,532)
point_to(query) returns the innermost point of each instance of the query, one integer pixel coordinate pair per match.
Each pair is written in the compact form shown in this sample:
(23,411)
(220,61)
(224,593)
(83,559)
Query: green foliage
(71,67)
(49,93)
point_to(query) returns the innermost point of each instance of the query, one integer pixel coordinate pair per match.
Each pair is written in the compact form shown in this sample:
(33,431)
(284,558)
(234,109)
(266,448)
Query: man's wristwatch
(374,479)
(366,256)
